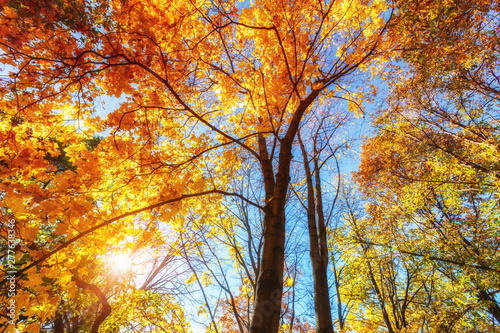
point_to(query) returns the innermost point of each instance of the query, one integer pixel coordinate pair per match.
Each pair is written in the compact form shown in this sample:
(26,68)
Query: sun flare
(121,263)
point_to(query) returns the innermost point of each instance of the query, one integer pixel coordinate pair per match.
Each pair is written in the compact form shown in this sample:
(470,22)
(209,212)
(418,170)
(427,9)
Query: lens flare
(121,263)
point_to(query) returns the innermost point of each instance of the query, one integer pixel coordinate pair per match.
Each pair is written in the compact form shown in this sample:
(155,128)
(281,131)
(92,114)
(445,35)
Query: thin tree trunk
(323,287)
(339,300)
(317,249)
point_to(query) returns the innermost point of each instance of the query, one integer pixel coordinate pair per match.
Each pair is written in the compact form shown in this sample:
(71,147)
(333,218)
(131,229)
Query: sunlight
(121,263)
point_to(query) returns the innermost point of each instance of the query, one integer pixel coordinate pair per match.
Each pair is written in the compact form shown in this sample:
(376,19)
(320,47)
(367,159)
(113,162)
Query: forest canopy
(249,166)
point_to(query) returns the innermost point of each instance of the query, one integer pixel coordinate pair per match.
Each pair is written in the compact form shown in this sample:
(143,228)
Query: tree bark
(106,308)
(317,248)
(269,286)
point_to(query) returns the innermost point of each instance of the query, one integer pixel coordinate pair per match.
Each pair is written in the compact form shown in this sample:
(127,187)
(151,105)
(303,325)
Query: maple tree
(185,106)
(430,171)
(197,157)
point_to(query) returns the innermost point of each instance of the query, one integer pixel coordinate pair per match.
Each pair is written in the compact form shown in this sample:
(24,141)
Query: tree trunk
(269,286)
(317,249)
(58,324)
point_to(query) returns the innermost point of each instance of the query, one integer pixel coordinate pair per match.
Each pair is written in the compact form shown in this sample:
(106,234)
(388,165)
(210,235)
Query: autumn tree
(199,82)
(225,261)
(430,170)
(319,213)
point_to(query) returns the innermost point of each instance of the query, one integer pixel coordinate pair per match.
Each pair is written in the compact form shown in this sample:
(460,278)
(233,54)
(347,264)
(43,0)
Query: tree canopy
(166,166)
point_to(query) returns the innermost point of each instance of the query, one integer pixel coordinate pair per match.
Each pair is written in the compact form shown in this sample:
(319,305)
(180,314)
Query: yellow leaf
(9,12)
